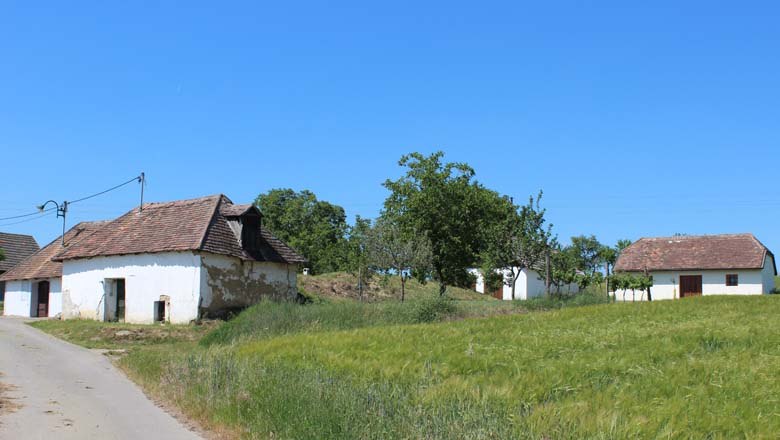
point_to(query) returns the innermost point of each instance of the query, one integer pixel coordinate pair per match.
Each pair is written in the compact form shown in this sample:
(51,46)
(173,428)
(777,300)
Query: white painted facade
(21,298)
(186,282)
(666,284)
(529,284)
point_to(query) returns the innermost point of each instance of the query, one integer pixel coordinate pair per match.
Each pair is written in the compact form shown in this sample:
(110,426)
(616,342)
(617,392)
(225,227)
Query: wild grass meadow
(694,368)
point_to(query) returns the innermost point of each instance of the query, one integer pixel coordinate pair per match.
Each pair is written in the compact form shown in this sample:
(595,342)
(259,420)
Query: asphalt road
(64,391)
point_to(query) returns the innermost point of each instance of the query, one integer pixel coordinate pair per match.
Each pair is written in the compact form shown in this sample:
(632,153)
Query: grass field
(694,368)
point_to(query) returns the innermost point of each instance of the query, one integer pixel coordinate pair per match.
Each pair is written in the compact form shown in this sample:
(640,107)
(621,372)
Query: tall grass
(693,368)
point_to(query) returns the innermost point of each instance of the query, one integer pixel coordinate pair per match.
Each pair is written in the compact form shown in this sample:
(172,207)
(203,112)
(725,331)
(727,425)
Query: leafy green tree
(442,201)
(390,250)
(519,239)
(315,228)
(609,256)
(563,267)
(588,253)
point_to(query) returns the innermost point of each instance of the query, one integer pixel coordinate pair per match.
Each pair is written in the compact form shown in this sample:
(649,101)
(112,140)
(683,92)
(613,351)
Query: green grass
(96,334)
(1,307)
(693,368)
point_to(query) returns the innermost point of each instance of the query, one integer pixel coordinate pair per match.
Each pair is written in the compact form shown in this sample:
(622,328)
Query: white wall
(147,277)
(21,297)
(666,285)
(529,284)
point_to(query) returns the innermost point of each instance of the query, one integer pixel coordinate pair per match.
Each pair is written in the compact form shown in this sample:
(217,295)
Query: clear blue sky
(636,120)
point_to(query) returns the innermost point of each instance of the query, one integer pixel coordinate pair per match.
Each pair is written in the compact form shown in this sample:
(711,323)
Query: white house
(530,284)
(15,248)
(176,262)
(33,285)
(729,264)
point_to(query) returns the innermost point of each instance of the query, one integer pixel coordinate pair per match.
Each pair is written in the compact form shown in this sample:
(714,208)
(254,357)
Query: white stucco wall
(529,284)
(147,277)
(228,282)
(666,285)
(21,297)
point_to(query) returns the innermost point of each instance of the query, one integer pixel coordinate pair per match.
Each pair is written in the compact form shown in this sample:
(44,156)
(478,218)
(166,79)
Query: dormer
(245,221)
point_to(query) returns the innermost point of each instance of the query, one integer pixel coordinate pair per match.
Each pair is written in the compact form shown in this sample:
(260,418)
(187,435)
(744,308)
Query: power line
(134,179)
(28,219)
(13,217)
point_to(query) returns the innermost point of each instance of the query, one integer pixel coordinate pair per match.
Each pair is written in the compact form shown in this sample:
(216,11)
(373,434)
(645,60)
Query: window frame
(729,280)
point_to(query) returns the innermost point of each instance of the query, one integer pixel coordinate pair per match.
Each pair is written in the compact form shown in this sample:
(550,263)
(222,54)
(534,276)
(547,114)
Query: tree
(588,253)
(357,254)
(519,239)
(563,267)
(609,256)
(442,202)
(2,254)
(392,251)
(315,228)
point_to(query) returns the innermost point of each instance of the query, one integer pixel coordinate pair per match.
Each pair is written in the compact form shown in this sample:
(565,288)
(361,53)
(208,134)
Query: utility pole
(142,181)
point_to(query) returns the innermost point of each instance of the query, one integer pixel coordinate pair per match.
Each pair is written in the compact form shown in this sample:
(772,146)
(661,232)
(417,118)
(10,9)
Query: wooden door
(499,292)
(690,285)
(43,299)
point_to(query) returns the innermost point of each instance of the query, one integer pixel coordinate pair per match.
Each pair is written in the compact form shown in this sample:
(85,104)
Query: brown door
(690,285)
(499,292)
(43,299)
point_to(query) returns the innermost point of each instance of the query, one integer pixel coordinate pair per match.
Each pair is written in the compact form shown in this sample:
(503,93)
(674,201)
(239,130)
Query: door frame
(38,302)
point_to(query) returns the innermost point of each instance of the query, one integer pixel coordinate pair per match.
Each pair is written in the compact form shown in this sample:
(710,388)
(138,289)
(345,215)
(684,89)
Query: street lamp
(62,209)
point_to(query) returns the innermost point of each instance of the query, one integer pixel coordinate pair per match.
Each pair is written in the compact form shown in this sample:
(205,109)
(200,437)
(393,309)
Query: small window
(732,279)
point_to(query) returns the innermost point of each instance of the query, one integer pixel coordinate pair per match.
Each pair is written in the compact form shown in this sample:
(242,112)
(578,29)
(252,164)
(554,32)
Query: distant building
(530,284)
(16,247)
(173,262)
(684,266)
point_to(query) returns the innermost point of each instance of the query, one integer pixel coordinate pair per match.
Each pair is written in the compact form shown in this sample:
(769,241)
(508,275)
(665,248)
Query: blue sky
(636,120)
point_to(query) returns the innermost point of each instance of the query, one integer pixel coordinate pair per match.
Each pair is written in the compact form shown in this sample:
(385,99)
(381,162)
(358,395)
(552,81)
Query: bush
(434,309)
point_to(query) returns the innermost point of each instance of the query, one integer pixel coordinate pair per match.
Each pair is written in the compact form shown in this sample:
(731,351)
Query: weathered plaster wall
(229,283)
(666,285)
(21,298)
(147,278)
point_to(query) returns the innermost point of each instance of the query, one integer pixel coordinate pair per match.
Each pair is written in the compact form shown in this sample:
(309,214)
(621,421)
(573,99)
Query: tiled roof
(704,252)
(183,225)
(16,248)
(40,264)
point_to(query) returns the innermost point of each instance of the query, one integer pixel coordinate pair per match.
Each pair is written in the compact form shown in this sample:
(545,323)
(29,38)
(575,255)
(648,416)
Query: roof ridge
(679,237)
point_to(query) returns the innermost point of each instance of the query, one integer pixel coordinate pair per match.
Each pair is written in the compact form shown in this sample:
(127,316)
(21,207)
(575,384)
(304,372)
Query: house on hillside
(730,264)
(16,247)
(173,262)
(530,284)
(33,285)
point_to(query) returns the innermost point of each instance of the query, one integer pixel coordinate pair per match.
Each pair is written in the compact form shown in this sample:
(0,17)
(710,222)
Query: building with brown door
(686,266)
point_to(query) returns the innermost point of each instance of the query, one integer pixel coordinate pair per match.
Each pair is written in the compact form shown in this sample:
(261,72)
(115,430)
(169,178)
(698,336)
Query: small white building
(530,284)
(685,266)
(171,262)
(33,285)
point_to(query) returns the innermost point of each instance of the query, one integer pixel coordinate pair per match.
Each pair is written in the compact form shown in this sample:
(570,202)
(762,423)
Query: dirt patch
(7,404)
(346,287)
(147,334)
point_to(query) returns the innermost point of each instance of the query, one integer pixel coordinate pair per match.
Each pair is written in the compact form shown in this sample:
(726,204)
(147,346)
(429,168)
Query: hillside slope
(339,286)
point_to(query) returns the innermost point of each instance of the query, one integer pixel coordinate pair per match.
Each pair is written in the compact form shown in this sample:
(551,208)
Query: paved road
(68,392)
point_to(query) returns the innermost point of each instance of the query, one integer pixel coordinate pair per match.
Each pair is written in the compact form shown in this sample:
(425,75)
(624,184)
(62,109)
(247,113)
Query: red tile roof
(40,264)
(16,247)
(704,252)
(183,225)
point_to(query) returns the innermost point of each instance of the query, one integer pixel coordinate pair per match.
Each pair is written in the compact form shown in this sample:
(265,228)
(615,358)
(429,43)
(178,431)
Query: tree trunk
(607,280)
(442,286)
(403,286)
(649,296)
(514,281)
(547,272)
